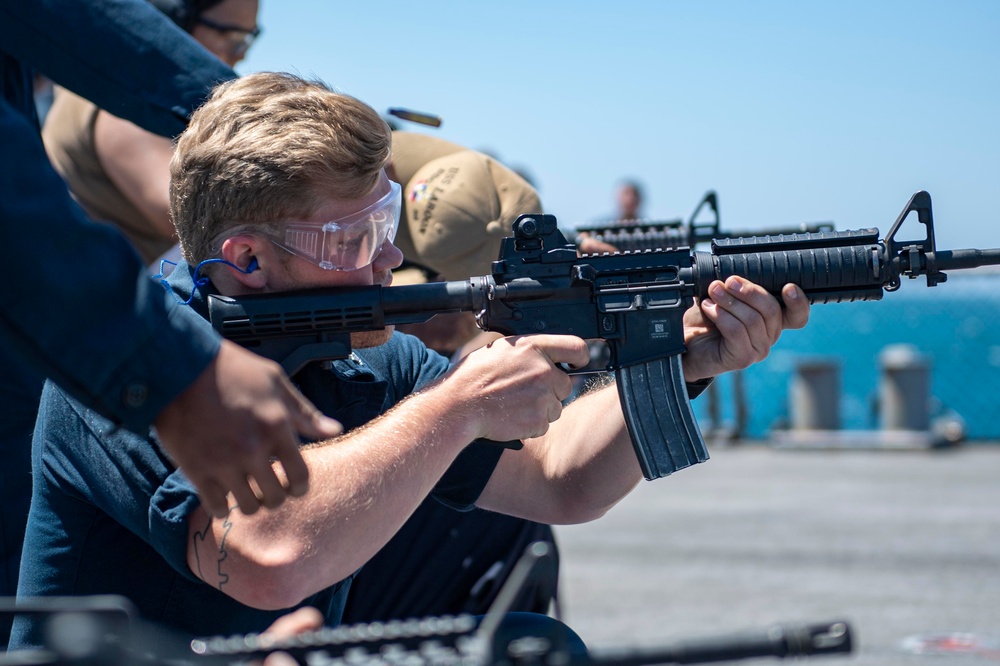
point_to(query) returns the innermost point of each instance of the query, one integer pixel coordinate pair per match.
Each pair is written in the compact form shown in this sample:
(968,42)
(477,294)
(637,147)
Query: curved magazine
(658,414)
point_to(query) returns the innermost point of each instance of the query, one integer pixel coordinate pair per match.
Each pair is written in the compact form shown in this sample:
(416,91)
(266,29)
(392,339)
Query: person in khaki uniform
(118,171)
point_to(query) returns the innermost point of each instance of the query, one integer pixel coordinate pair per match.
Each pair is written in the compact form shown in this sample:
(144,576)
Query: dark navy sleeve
(123,55)
(84,458)
(109,515)
(465,480)
(169,510)
(77,302)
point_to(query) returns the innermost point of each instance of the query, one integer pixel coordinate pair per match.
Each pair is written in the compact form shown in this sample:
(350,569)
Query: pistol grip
(658,415)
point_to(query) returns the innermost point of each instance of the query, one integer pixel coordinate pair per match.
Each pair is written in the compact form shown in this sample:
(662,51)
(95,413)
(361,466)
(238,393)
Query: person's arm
(124,55)
(585,463)
(107,333)
(587,244)
(78,305)
(138,163)
(368,482)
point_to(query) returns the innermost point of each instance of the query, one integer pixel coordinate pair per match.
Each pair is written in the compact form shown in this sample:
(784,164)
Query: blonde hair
(270,147)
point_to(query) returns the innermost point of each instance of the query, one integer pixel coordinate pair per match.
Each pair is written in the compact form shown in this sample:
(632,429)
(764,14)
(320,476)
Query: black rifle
(106,631)
(86,633)
(634,301)
(457,640)
(632,235)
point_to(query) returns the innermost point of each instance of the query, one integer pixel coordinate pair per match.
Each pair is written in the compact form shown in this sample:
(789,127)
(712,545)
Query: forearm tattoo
(204,554)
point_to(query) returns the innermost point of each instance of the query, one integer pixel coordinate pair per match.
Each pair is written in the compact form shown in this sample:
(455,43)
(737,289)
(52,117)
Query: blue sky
(792,111)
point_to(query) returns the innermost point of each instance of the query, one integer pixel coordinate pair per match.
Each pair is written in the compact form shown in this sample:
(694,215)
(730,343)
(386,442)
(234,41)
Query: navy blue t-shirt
(109,511)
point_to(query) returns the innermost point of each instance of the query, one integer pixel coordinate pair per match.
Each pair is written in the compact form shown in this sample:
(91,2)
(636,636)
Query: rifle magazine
(658,414)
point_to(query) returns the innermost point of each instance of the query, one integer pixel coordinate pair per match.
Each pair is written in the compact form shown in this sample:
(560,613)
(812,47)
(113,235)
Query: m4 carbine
(634,301)
(633,235)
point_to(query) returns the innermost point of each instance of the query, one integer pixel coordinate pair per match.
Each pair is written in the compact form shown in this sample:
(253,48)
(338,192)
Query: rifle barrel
(416,303)
(777,641)
(971,258)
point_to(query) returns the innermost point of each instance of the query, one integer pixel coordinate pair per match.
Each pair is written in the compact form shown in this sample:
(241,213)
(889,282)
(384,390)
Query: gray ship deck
(904,544)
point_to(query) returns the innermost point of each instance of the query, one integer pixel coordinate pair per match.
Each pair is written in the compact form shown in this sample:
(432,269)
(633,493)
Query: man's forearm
(365,485)
(573,473)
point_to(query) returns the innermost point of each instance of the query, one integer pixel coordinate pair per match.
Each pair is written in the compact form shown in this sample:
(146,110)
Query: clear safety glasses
(349,243)
(344,244)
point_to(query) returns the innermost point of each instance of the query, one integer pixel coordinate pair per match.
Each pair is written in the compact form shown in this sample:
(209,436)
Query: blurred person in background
(629,199)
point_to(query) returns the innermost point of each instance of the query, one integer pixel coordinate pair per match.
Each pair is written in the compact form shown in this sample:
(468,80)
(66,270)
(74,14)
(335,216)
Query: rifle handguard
(657,411)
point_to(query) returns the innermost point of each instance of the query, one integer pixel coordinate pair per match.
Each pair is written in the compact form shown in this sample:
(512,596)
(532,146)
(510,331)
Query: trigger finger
(563,386)
(568,349)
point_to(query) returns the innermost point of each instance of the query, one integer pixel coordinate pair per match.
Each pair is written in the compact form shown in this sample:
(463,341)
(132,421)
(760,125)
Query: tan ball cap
(457,204)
